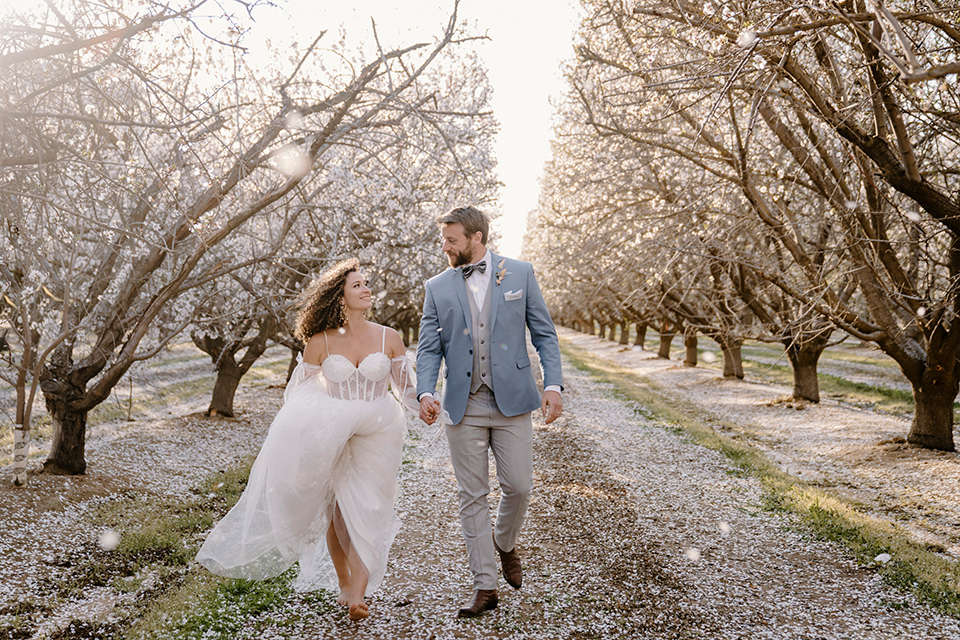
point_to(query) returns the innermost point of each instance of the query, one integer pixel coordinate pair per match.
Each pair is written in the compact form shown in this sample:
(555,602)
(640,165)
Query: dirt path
(633,532)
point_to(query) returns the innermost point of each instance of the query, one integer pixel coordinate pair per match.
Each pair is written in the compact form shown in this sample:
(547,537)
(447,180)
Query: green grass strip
(931,576)
(200,604)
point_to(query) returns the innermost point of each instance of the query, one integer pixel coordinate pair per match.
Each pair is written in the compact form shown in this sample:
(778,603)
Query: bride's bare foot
(359,611)
(342,599)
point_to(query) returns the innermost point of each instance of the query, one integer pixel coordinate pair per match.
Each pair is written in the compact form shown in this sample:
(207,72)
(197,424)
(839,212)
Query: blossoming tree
(137,157)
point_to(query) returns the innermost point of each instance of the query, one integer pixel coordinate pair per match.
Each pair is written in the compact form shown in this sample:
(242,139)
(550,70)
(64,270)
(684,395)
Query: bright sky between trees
(530,40)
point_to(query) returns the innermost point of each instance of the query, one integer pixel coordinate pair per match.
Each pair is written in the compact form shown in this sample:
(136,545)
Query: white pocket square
(512,295)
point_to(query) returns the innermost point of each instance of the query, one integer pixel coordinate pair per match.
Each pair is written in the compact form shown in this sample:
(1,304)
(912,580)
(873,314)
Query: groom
(475,317)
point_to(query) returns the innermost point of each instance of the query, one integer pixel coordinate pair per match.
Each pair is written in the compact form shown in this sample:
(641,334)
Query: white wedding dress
(337,442)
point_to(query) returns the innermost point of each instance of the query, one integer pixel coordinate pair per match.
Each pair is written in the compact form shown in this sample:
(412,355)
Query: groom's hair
(472,219)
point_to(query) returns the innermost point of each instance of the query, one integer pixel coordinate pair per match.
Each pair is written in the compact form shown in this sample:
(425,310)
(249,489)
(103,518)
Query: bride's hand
(429,409)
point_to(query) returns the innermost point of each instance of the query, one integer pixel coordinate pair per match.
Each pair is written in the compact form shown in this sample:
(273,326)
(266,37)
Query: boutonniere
(501,271)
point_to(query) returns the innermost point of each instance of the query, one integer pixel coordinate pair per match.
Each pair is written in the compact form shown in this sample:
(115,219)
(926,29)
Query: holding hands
(550,407)
(429,408)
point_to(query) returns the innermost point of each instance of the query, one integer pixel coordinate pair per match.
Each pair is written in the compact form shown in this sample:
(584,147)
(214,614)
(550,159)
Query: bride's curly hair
(320,303)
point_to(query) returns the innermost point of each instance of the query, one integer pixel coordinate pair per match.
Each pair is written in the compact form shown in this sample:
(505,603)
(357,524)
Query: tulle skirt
(320,454)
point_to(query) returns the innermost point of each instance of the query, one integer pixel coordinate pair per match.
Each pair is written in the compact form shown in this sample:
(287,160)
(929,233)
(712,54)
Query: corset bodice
(368,381)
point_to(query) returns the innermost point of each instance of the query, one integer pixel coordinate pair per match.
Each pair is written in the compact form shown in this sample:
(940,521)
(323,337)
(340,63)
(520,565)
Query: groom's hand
(429,409)
(550,406)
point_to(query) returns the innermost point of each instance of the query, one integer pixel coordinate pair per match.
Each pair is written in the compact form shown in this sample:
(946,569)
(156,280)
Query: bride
(328,467)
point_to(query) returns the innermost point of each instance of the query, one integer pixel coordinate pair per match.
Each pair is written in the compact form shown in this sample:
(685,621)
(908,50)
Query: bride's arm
(404,382)
(403,376)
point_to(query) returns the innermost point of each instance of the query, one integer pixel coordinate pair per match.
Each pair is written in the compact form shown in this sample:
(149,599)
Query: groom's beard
(458,259)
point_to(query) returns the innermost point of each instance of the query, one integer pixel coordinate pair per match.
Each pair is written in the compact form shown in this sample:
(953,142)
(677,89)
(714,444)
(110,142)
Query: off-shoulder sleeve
(404,382)
(296,378)
(303,372)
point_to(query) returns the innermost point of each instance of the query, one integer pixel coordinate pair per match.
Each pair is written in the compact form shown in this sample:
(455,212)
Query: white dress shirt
(479,283)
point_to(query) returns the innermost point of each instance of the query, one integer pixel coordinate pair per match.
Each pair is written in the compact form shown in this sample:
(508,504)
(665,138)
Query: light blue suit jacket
(445,335)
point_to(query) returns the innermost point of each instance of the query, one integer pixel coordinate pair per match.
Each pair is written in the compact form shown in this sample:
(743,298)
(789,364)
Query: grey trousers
(484,428)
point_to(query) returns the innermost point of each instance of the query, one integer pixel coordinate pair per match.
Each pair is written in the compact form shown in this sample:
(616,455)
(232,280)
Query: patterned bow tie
(480,267)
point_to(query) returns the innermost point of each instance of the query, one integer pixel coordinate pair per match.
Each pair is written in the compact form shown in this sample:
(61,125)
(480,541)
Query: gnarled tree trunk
(624,332)
(225,388)
(641,334)
(690,350)
(934,394)
(666,337)
(223,352)
(732,359)
(69,429)
(804,353)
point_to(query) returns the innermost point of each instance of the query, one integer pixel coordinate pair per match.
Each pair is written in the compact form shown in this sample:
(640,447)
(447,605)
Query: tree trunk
(666,337)
(624,333)
(224,352)
(293,363)
(641,334)
(586,326)
(69,435)
(602,333)
(732,361)
(225,388)
(690,350)
(804,357)
(932,425)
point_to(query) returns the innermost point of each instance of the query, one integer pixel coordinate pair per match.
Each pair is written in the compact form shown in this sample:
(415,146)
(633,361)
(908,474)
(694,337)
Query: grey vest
(480,330)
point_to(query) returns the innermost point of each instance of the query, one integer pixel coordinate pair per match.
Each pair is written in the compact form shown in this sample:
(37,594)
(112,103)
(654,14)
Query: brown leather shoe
(482,600)
(510,562)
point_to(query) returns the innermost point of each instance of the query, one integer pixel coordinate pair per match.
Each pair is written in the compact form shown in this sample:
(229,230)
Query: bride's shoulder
(393,343)
(315,349)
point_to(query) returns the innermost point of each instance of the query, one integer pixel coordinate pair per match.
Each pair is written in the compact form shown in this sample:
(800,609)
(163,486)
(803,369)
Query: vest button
(481,342)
